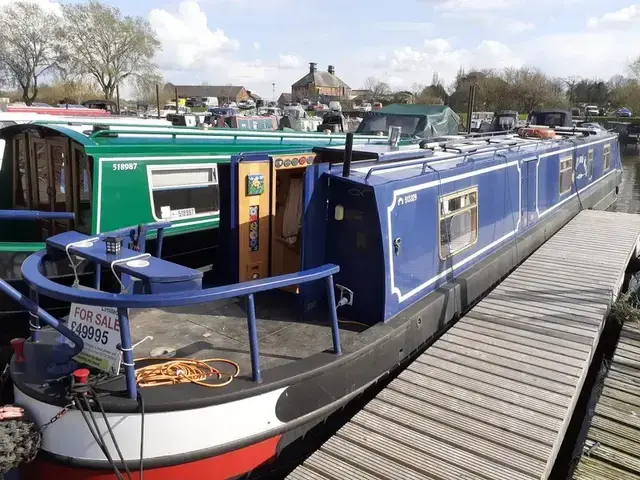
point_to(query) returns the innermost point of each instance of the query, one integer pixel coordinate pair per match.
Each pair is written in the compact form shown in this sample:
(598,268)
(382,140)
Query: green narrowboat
(114,176)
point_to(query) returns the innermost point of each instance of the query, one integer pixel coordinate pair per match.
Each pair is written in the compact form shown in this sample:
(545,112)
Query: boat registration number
(183,212)
(125,166)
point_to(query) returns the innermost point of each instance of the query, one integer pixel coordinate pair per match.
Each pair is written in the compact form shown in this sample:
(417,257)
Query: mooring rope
(183,370)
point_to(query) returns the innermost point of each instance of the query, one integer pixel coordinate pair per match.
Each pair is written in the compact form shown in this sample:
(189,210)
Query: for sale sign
(99,329)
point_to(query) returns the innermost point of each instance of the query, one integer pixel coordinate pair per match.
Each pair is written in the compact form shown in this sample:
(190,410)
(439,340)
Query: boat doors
(274,206)
(49,162)
(529,191)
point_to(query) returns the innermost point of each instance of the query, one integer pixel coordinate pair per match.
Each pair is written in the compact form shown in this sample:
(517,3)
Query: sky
(256,43)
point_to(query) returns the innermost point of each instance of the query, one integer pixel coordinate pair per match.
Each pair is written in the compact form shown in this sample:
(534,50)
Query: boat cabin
(551,118)
(114,175)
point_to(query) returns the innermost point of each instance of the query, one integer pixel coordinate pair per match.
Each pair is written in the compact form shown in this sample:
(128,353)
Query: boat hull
(221,467)
(281,416)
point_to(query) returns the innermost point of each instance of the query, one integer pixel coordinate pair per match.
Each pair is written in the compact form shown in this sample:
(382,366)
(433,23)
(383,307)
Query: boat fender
(20,441)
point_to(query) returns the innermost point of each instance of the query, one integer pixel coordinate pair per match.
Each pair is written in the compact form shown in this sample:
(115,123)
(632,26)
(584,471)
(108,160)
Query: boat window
(58,158)
(458,221)
(566,174)
(20,164)
(607,157)
(40,152)
(184,191)
(589,169)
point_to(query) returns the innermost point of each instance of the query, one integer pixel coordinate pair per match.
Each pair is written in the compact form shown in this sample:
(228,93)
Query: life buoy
(536,132)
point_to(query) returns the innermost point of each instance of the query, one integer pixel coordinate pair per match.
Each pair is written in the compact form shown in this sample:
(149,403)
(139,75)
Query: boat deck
(219,330)
(612,449)
(493,397)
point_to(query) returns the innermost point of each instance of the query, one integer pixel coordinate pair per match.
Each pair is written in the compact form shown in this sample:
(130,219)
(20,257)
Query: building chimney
(312,67)
(331,70)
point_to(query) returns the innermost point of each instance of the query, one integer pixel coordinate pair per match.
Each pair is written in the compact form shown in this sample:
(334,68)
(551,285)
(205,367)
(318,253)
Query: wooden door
(50,189)
(60,181)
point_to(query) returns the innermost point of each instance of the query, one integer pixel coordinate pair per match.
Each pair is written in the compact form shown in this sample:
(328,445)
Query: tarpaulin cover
(417,121)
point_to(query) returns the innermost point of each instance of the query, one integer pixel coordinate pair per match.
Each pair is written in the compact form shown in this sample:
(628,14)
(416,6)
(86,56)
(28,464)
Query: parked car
(377,105)
(335,106)
(623,112)
(593,110)
(364,107)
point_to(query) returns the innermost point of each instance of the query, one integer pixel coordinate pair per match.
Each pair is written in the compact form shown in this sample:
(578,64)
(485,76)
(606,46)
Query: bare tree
(634,67)
(529,86)
(377,88)
(144,89)
(107,45)
(29,46)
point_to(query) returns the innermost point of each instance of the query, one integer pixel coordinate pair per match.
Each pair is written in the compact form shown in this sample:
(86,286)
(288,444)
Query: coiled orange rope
(183,370)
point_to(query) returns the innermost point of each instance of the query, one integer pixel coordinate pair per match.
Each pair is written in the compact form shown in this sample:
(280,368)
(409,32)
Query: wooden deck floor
(492,398)
(612,449)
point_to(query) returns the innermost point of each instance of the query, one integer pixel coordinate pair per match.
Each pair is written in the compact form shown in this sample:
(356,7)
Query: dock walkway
(612,449)
(493,397)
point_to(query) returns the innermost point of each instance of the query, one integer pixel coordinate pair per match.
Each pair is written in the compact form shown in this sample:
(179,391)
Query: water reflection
(629,198)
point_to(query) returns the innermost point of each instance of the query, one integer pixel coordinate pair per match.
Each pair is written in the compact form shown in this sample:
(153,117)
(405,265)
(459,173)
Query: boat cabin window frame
(450,206)
(606,157)
(589,166)
(182,168)
(565,167)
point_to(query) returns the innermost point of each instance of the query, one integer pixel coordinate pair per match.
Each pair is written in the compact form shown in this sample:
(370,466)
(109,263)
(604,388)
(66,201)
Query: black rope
(111,434)
(448,233)
(99,441)
(141,402)
(575,166)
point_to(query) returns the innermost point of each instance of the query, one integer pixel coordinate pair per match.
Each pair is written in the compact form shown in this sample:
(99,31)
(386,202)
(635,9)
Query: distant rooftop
(320,79)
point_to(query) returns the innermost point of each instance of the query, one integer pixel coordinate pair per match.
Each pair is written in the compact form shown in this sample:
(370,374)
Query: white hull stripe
(165,434)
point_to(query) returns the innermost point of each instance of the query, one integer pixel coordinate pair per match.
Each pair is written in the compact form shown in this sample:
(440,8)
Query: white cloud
(288,62)
(187,41)
(517,26)
(256,45)
(404,26)
(623,17)
(439,55)
(473,4)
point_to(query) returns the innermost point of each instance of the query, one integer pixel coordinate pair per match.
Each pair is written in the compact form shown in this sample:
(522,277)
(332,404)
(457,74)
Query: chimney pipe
(331,70)
(312,67)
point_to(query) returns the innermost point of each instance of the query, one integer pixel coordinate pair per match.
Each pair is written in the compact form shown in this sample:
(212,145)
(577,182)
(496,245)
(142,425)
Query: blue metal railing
(35,215)
(31,273)
(39,313)
(34,319)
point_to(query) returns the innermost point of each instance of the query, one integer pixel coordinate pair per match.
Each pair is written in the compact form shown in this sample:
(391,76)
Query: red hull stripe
(221,467)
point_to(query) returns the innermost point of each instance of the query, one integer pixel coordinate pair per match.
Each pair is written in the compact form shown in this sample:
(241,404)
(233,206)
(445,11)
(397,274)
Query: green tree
(29,46)
(107,45)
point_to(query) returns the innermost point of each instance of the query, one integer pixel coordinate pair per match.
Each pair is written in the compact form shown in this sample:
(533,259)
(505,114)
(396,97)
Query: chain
(56,417)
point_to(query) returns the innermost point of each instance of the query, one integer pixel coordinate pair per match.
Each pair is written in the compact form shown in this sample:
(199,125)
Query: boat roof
(411,109)
(137,139)
(389,163)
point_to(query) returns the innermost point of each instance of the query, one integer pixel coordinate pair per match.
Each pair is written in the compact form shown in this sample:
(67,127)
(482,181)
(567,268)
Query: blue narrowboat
(332,273)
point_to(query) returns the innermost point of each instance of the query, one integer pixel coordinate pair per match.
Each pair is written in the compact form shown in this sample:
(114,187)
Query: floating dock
(493,397)
(612,449)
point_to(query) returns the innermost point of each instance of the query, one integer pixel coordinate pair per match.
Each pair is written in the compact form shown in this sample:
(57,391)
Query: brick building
(317,84)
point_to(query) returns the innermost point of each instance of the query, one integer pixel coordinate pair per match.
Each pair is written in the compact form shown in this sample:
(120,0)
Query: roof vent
(332,70)
(313,67)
